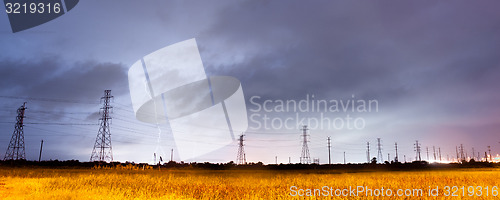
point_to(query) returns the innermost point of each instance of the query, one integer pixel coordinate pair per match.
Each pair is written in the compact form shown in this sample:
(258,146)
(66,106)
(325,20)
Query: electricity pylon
(102,151)
(16,150)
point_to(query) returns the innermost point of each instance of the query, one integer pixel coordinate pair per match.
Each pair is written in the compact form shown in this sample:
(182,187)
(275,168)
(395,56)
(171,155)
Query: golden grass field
(32,184)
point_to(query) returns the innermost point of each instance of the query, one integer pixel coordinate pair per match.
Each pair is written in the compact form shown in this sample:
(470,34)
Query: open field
(28,183)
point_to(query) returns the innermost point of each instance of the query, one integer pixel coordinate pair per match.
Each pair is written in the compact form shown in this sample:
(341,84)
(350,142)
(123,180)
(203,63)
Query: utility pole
(462,156)
(276,158)
(434,150)
(388,157)
(473,154)
(102,151)
(16,150)
(368,152)
(305,158)
(417,150)
(289,160)
(427,150)
(396,159)
(486,156)
(439,149)
(489,153)
(40,156)
(171,155)
(405,158)
(344,157)
(240,158)
(379,150)
(329,154)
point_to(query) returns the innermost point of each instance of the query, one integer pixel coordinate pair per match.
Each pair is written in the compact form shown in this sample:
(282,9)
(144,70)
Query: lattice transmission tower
(102,151)
(368,159)
(241,160)
(396,159)
(379,151)
(417,151)
(16,150)
(305,158)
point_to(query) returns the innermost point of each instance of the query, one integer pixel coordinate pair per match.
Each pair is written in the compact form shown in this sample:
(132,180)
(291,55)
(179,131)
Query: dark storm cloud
(391,51)
(50,77)
(56,82)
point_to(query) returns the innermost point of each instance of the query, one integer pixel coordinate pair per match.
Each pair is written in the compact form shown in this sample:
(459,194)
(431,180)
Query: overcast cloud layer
(433,66)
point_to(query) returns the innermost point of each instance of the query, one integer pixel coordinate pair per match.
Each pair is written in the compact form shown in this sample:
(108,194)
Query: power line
(315,143)
(62,124)
(60,112)
(49,99)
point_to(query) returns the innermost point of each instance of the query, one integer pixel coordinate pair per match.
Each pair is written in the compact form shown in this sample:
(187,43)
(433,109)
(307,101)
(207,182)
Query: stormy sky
(433,67)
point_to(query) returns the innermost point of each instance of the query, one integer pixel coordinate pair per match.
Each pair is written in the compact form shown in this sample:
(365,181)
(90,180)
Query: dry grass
(23,183)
